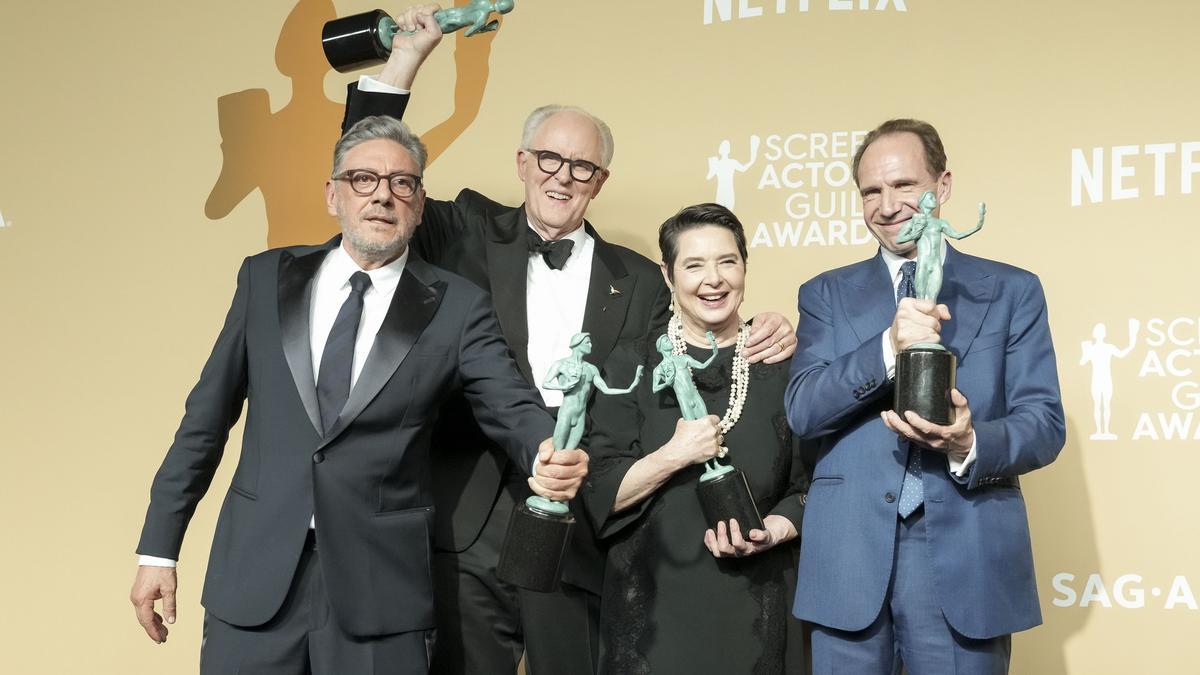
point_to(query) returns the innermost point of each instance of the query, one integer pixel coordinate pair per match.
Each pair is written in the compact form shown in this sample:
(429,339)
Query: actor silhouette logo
(1100,354)
(722,167)
(1169,353)
(803,191)
(256,133)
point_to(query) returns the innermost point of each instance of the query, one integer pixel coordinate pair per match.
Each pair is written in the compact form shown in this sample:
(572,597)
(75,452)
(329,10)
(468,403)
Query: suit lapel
(416,300)
(868,287)
(296,273)
(609,291)
(508,264)
(967,292)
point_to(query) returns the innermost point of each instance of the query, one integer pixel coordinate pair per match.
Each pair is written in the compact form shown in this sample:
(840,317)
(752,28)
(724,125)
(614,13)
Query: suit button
(889,497)
(318,458)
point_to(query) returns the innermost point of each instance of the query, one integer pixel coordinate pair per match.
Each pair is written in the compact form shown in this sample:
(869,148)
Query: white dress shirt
(554,301)
(330,288)
(894,263)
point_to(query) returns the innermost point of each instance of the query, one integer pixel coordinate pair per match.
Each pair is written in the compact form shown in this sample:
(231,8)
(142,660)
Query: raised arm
(1134,325)
(712,339)
(949,231)
(602,386)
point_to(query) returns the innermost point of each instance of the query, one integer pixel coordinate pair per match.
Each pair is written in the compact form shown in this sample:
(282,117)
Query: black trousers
(484,625)
(304,638)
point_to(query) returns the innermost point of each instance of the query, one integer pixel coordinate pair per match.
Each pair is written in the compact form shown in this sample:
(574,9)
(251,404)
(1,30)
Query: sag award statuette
(724,493)
(365,39)
(925,372)
(539,529)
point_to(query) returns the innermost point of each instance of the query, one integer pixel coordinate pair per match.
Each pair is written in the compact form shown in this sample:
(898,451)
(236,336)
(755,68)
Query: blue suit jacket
(980,559)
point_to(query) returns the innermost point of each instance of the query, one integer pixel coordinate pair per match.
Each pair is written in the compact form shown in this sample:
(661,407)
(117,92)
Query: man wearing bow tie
(551,275)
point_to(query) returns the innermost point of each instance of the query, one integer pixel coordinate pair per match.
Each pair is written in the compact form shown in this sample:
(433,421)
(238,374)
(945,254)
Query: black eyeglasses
(550,162)
(365,182)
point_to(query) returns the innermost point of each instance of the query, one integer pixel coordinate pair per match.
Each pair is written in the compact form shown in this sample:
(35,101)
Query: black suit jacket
(368,481)
(486,242)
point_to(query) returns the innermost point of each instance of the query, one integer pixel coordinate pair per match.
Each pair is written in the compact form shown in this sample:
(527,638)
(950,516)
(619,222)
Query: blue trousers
(910,631)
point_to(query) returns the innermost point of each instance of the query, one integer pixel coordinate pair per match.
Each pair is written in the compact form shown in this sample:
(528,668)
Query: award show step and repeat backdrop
(148,147)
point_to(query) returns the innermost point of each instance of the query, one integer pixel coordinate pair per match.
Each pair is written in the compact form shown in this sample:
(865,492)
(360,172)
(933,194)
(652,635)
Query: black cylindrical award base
(924,378)
(533,548)
(727,497)
(353,42)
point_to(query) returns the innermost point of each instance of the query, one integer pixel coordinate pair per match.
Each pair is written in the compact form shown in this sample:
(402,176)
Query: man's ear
(601,176)
(522,160)
(943,187)
(330,197)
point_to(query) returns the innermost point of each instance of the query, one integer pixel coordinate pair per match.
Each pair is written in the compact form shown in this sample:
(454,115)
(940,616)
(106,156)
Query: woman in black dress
(682,595)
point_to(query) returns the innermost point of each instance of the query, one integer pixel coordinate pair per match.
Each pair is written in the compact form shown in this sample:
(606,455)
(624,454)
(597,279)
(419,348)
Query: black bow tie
(555,253)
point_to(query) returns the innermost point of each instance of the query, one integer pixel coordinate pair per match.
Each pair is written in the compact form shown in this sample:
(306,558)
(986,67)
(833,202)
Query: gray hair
(537,117)
(378,127)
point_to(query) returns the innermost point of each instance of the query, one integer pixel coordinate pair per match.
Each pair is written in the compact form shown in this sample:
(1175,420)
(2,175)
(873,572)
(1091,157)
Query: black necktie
(337,361)
(555,253)
(906,289)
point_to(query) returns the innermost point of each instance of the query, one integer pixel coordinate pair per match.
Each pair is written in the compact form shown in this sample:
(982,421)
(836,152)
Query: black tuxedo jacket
(486,242)
(368,481)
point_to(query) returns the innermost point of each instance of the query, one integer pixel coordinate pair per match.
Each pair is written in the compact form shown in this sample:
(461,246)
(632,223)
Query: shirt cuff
(889,355)
(152,561)
(960,468)
(368,83)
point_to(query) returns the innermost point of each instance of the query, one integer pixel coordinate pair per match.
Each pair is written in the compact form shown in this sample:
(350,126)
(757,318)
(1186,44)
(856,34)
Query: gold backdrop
(145,145)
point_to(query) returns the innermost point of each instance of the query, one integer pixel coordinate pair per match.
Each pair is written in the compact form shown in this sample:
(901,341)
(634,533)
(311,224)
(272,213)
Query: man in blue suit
(916,547)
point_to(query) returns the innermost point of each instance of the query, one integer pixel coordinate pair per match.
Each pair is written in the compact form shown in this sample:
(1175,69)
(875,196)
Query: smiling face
(555,203)
(892,176)
(709,280)
(375,227)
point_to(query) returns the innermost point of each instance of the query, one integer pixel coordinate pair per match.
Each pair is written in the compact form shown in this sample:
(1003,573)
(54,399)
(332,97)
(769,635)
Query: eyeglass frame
(572,163)
(345,176)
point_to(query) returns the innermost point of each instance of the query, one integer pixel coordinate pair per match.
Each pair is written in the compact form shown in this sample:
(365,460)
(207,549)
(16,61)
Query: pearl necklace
(741,370)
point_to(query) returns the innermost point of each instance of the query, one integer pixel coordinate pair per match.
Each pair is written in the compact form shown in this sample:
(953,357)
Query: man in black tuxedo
(551,275)
(344,352)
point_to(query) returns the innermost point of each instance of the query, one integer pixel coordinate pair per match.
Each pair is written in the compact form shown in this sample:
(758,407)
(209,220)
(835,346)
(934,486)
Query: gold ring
(779,346)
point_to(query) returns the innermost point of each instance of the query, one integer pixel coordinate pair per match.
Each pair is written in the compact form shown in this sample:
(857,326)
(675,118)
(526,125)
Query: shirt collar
(895,262)
(579,235)
(339,266)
